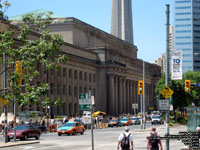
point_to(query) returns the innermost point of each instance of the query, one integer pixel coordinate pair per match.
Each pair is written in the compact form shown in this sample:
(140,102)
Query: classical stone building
(100,62)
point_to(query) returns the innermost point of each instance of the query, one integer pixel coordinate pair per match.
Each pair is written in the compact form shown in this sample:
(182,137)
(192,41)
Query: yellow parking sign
(3,101)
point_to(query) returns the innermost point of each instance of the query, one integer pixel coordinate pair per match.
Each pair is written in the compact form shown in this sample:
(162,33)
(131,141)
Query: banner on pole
(176,65)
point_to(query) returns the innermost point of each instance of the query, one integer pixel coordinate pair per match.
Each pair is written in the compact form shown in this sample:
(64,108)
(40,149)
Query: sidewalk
(10,144)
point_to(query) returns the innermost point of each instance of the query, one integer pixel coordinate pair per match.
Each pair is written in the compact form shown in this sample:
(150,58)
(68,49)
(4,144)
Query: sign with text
(84,101)
(134,106)
(163,104)
(176,65)
(167,92)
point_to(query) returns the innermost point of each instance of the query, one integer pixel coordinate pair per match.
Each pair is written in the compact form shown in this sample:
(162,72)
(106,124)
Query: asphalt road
(104,139)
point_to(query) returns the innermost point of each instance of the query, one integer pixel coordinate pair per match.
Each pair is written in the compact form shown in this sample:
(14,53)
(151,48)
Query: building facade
(101,63)
(186,32)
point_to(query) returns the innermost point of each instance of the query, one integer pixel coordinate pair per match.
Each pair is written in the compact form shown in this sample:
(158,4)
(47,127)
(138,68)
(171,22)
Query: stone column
(127,97)
(120,95)
(131,98)
(116,97)
(111,95)
(124,95)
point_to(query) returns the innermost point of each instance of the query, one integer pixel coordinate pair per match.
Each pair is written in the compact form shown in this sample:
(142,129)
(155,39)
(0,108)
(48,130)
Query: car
(42,128)
(157,119)
(24,132)
(126,122)
(114,122)
(71,128)
(135,120)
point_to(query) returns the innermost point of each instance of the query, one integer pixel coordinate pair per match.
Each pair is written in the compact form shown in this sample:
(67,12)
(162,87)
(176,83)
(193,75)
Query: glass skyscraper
(187,32)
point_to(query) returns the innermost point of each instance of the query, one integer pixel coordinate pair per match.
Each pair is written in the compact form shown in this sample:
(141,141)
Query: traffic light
(140,87)
(19,70)
(187,85)
(43,109)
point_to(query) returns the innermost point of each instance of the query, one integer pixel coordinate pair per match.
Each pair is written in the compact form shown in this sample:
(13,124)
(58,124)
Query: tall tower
(121,20)
(186,32)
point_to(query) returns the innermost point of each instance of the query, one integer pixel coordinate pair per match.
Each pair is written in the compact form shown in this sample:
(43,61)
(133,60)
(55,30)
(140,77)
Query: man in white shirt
(125,139)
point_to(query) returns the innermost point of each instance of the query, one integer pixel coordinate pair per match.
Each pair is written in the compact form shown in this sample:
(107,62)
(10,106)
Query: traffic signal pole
(5,91)
(167,71)
(144,116)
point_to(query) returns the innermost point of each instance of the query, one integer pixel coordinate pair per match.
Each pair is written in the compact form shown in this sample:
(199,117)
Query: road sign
(134,106)
(3,101)
(197,85)
(167,92)
(163,104)
(84,101)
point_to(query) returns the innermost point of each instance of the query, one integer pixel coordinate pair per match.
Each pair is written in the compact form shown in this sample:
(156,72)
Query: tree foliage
(41,52)
(180,97)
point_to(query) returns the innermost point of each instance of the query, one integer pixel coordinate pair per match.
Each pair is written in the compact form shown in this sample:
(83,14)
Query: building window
(58,73)
(75,109)
(85,76)
(75,91)
(52,71)
(90,77)
(94,92)
(75,75)
(52,88)
(58,110)
(64,89)
(70,90)
(94,78)
(80,75)
(85,89)
(64,72)
(64,109)
(80,90)
(58,88)
(70,73)
(38,107)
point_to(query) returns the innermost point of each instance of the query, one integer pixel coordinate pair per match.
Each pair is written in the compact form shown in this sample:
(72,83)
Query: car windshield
(21,127)
(69,124)
(113,120)
(156,117)
(133,118)
(124,119)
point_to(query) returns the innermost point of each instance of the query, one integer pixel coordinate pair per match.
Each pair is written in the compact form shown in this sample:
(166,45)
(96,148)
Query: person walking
(125,139)
(153,140)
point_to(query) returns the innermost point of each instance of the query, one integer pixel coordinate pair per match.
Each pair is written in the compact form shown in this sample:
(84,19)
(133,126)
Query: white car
(157,119)
(135,120)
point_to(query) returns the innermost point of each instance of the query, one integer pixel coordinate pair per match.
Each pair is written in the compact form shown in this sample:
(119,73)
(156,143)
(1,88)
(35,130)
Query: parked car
(135,120)
(116,123)
(157,119)
(126,122)
(42,128)
(71,128)
(24,132)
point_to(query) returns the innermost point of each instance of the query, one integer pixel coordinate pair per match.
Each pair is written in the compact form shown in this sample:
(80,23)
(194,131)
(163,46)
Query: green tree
(34,53)
(180,97)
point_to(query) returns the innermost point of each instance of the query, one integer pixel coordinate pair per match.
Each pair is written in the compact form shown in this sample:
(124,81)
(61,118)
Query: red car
(24,132)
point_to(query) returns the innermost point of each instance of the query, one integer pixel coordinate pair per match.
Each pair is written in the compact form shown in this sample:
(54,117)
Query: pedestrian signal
(187,85)
(140,87)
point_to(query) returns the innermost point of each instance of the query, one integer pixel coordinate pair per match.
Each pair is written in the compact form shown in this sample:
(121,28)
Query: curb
(10,144)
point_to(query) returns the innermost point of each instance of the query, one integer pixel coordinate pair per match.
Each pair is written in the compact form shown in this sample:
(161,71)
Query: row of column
(122,94)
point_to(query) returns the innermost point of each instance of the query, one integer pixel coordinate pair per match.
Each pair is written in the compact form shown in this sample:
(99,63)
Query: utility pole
(144,117)
(91,107)
(141,110)
(5,91)
(167,71)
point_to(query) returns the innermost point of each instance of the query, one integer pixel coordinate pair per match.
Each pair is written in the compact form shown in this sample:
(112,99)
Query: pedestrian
(153,140)
(125,139)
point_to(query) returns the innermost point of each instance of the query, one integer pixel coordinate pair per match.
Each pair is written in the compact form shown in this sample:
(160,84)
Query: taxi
(126,122)
(71,128)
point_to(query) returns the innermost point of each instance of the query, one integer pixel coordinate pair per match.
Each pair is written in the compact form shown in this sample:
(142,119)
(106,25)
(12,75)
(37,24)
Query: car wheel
(8,139)
(82,132)
(59,134)
(37,137)
(25,137)
(74,132)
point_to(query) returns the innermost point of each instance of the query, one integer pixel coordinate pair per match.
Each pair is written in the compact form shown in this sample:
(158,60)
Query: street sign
(163,104)
(84,101)
(167,92)
(3,101)
(197,85)
(134,106)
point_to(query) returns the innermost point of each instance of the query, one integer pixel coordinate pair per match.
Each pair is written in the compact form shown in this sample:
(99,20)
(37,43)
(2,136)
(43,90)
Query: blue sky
(148,19)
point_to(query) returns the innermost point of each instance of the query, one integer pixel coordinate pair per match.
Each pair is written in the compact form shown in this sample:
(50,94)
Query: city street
(104,139)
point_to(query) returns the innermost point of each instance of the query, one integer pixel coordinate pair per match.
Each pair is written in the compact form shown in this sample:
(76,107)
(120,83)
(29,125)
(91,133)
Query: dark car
(24,132)
(113,123)
(42,128)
